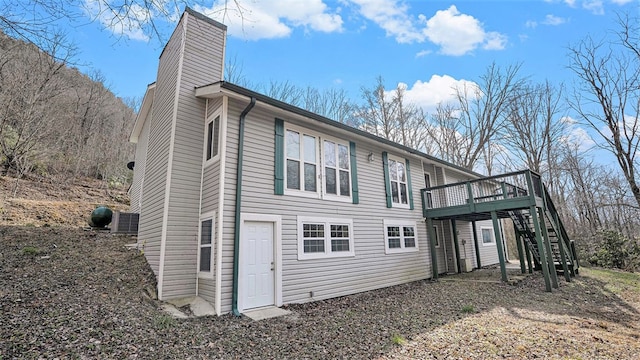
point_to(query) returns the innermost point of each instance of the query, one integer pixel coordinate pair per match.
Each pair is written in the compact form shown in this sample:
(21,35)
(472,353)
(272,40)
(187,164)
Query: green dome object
(101,216)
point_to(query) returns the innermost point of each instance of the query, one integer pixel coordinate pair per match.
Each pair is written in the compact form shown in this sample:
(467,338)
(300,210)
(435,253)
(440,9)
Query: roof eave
(147,102)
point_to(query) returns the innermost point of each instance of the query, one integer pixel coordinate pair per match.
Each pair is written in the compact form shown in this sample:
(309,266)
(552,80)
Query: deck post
(456,245)
(541,249)
(475,242)
(498,238)
(549,251)
(432,245)
(520,252)
(527,253)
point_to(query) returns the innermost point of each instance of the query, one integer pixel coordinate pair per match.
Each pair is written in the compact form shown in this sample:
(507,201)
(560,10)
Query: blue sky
(428,45)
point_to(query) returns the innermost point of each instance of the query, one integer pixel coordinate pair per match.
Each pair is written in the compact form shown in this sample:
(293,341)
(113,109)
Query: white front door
(257,253)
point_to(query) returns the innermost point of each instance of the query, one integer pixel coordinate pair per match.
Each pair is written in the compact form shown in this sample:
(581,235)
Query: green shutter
(409,185)
(279,158)
(387,182)
(354,173)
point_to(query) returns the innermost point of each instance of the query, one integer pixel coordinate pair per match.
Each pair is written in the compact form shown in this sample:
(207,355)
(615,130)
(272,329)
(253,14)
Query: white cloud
(273,19)
(455,33)
(495,41)
(393,17)
(423,53)
(129,25)
(531,24)
(576,135)
(438,89)
(621,2)
(458,34)
(595,6)
(553,20)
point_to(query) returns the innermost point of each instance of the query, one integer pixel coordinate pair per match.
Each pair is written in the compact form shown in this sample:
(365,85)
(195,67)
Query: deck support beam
(541,249)
(498,238)
(520,252)
(549,250)
(456,246)
(432,246)
(475,243)
(527,253)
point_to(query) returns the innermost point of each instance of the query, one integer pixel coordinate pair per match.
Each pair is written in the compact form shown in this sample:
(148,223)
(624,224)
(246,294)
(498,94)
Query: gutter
(236,236)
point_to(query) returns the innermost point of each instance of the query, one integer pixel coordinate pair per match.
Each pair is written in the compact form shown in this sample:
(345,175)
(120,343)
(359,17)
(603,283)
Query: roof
(216,89)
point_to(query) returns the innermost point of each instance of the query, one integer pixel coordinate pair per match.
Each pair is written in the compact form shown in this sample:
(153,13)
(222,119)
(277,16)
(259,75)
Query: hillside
(67,292)
(43,202)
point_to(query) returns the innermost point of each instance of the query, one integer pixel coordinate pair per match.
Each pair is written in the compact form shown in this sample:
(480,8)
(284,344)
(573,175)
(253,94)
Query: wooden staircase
(520,196)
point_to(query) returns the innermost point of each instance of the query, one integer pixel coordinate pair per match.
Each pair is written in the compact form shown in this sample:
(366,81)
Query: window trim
(402,249)
(493,239)
(320,192)
(301,220)
(438,239)
(211,121)
(407,182)
(205,217)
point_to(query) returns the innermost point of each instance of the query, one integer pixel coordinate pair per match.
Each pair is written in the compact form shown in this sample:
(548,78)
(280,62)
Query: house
(248,202)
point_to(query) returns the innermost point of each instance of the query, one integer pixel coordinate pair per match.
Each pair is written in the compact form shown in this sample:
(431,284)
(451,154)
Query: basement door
(258,275)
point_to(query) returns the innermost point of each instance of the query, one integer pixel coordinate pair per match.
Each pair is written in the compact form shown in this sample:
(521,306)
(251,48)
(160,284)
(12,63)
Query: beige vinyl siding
(135,194)
(465,234)
(488,253)
(211,172)
(153,198)
(209,203)
(201,64)
(235,108)
(370,268)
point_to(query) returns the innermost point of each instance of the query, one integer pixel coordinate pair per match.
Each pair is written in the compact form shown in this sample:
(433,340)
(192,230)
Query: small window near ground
(205,250)
(487,236)
(323,238)
(400,236)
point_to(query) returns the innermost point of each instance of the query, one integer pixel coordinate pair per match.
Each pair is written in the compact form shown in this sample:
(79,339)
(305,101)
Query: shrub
(615,250)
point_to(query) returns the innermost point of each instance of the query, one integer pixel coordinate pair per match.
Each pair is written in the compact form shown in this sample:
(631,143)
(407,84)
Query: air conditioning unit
(125,223)
(466,265)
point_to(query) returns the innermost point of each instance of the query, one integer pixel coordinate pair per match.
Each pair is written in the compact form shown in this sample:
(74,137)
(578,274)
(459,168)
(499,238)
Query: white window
(213,139)
(487,236)
(323,237)
(428,198)
(437,233)
(205,248)
(337,178)
(398,182)
(400,236)
(317,166)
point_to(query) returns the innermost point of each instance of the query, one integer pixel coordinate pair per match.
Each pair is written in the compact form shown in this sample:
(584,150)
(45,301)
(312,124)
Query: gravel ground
(69,293)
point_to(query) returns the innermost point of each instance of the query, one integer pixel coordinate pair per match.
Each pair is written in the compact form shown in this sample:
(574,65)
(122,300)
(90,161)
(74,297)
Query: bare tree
(608,96)
(466,129)
(411,120)
(388,114)
(445,134)
(38,21)
(378,114)
(534,125)
(31,83)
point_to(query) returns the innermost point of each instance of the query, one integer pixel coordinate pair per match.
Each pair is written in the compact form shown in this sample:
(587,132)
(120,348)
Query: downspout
(236,236)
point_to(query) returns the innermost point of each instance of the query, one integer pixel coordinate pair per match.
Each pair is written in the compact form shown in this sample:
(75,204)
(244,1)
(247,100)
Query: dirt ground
(67,292)
(41,202)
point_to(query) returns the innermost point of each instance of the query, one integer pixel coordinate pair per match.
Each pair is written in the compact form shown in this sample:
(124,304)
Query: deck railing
(506,186)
